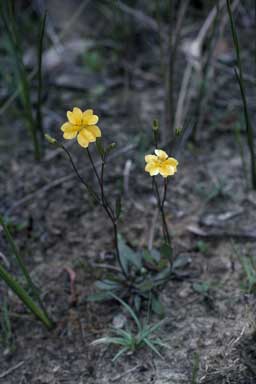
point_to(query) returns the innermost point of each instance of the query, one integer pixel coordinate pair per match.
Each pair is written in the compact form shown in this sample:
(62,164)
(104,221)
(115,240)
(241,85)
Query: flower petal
(75,117)
(162,155)
(94,130)
(171,161)
(90,119)
(149,158)
(152,169)
(167,170)
(82,140)
(65,126)
(85,137)
(88,112)
(69,135)
(70,130)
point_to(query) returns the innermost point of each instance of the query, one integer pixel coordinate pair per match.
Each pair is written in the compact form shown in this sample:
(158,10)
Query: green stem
(240,79)
(21,264)
(160,203)
(89,189)
(106,206)
(16,253)
(104,202)
(25,298)
(161,46)
(39,76)
(10,24)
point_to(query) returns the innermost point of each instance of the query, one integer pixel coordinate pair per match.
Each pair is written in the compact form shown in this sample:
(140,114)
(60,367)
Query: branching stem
(160,203)
(107,207)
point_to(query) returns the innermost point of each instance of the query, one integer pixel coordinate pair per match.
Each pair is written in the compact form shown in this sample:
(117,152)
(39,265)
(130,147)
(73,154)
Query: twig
(194,56)
(138,15)
(127,171)
(104,266)
(220,233)
(174,39)
(10,370)
(182,96)
(118,377)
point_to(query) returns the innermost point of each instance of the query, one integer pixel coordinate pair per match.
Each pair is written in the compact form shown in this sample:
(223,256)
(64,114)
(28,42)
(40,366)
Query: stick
(6,373)
(194,62)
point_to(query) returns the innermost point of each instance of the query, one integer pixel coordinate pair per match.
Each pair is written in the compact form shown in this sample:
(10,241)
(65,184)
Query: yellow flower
(81,125)
(160,163)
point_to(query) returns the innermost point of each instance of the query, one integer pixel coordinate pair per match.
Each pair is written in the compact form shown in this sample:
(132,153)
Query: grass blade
(39,75)
(119,353)
(154,349)
(16,253)
(129,309)
(239,76)
(25,298)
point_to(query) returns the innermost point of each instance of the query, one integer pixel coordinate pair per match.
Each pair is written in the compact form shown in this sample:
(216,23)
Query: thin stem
(101,182)
(161,46)
(102,189)
(93,165)
(160,203)
(39,76)
(10,24)
(89,189)
(106,206)
(240,79)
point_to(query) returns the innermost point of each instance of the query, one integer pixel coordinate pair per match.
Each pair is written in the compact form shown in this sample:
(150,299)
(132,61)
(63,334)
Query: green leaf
(100,147)
(119,353)
(106,285)
(129,310)
(137,303)
(201,287)
(166,251)
(98,297)
(127,256)
(152,257)
(181,261)
(145,286)
(248,267)
(146,255)
(150,345)
(163,263)
(162,276)
(202,246)
(157,306)
(155,254)
(14,285)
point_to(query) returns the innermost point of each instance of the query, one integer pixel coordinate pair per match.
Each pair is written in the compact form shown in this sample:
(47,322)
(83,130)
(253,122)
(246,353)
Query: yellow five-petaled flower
(81,125)
(160,163)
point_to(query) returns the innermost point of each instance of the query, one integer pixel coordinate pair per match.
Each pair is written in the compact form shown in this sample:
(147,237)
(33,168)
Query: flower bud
(50,139)
(155,125)
(112,145)
(178,131)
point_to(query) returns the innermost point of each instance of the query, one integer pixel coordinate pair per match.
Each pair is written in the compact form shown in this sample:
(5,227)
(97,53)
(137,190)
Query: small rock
(119,321)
